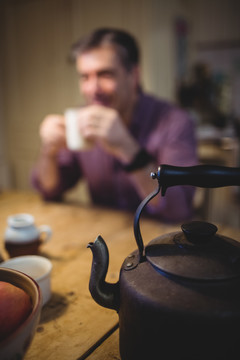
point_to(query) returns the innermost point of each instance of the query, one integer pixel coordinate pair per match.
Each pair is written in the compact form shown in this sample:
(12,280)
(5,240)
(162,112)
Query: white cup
(75,141)
(37,267)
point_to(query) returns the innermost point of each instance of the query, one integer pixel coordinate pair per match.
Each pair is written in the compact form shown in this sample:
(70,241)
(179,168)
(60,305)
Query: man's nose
(94,85)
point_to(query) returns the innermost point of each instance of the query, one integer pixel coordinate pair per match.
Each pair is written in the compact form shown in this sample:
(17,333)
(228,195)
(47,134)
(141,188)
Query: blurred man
(133,133)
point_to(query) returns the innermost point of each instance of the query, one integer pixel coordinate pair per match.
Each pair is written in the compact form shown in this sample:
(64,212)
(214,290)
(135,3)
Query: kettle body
(177,318)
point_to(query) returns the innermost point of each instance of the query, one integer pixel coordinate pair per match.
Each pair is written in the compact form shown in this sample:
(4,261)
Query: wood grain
(72,325)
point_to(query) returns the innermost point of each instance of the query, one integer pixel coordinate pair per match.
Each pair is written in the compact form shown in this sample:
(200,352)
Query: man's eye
(107,75)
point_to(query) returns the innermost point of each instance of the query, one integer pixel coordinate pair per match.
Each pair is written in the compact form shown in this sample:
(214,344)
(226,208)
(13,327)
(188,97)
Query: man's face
(104,80)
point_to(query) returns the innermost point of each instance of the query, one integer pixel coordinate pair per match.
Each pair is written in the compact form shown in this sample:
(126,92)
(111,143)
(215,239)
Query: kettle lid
(196,253)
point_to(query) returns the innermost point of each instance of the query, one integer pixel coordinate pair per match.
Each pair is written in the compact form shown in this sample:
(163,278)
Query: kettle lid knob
(199,232)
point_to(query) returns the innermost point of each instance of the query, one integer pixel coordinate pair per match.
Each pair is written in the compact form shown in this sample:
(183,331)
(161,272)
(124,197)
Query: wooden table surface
(72,325)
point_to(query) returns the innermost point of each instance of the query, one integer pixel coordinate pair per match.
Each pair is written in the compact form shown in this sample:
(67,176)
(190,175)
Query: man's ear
(136,76)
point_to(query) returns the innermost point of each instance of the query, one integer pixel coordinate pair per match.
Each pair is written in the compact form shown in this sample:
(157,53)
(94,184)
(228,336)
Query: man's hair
(125,45)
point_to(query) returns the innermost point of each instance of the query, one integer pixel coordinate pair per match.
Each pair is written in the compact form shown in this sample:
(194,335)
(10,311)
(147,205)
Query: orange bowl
(17,343)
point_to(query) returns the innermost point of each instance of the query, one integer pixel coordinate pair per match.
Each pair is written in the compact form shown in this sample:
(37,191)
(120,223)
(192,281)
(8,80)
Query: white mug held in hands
(75,141)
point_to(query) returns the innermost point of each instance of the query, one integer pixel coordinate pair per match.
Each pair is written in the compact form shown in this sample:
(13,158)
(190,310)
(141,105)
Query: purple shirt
(166,132)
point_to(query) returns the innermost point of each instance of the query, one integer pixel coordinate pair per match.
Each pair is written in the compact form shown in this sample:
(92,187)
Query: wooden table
(72,325)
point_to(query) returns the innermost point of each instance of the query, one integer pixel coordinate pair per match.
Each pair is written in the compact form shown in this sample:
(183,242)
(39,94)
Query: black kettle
(178,297)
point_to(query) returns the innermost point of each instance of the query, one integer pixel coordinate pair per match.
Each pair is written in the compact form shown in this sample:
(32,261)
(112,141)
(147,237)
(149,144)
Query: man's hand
(103,125)
(97,124)
(52,134)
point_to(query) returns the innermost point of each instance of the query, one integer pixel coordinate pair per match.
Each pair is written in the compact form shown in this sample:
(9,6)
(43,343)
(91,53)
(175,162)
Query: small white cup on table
(37,267)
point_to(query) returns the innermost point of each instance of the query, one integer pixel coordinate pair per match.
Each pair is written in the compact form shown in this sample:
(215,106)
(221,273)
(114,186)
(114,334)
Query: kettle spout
(104,293)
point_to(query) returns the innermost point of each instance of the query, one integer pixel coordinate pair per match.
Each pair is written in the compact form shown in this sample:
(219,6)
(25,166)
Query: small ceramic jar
(23,237)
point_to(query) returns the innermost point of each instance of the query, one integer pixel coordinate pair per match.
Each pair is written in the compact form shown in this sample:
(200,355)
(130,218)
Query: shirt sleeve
(70,173)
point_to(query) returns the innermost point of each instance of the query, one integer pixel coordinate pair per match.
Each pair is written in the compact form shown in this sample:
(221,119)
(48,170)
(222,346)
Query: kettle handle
(206,176)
